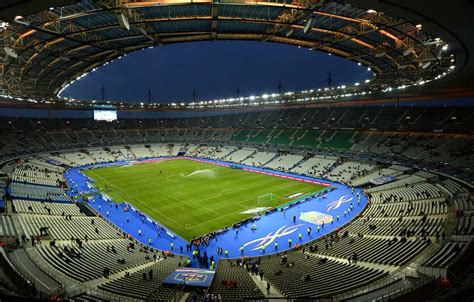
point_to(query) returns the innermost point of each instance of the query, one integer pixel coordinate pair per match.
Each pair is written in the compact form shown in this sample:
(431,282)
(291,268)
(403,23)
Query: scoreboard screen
(105,115)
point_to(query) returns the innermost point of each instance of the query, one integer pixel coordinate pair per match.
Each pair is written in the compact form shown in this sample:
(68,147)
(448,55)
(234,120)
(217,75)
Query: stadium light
(309,24)
(123,21)
(407,51)
(11,52)
(3,25)
(426,65)
(144,33)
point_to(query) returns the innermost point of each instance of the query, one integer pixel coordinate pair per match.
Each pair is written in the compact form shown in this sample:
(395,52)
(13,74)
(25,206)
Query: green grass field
(193,198)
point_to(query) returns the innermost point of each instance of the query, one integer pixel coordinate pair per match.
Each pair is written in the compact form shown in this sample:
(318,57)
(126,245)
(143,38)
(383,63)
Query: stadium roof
(48,44)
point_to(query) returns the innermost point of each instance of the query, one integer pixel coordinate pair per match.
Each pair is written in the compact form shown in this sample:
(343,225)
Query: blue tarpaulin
(190,277)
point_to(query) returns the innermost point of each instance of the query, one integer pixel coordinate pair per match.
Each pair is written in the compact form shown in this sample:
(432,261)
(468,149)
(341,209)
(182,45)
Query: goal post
(261,199)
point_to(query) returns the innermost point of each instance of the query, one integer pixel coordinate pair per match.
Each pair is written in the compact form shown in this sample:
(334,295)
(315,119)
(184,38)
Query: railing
(373,287)
(179,291)
(22,273)
(50,273)
(22,276)
(101,294)
(427,255)
(405,290)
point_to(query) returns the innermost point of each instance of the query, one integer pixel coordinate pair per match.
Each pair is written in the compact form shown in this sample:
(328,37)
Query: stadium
(345,192)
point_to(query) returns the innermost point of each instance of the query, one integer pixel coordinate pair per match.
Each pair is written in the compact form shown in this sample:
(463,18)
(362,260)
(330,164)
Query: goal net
(261,199)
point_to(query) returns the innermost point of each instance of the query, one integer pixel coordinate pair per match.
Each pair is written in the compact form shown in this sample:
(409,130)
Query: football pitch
(194,198)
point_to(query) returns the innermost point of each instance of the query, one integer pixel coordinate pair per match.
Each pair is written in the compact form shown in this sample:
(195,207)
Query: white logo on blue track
(337,203)
(267,240)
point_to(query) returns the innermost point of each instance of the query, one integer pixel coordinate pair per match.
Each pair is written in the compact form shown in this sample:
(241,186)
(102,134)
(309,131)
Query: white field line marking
(170,197)
(205,208)
(245,208)
(141,203)
(198,201)
(230,191)
(196,225)
(231,213)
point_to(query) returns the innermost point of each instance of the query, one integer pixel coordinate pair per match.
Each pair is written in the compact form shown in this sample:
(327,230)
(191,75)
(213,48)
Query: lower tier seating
(61,228)
(89,262)
(55,208)
(241,285)
(326,277)
(383,251)
(141,285)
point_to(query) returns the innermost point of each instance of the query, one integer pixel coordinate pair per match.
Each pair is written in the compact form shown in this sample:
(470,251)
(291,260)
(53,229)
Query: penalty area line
(140,203)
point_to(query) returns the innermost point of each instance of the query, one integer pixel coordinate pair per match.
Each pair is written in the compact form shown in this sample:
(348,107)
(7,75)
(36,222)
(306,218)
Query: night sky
(214,69)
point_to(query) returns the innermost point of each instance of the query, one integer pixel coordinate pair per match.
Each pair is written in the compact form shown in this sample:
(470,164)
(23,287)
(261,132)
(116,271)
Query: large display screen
(105,115)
